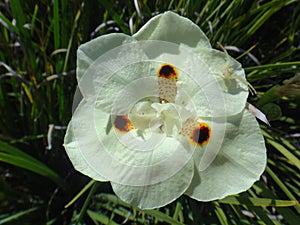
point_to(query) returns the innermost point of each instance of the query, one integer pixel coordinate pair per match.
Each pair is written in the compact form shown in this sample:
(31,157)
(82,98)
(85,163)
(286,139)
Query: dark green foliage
(38,42)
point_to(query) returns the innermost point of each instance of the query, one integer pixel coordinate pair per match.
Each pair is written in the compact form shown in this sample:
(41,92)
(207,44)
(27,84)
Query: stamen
(167,83)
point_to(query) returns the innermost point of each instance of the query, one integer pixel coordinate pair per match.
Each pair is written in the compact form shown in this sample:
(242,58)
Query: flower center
(158,117)
(166,111)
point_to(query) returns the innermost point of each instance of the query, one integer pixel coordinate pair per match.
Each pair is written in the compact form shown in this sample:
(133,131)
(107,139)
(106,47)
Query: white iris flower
(163,114)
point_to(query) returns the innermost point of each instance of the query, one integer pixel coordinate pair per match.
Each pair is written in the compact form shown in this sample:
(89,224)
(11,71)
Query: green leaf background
(38,42)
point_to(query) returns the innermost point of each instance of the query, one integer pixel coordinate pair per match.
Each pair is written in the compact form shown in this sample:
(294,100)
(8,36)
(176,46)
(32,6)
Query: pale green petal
(89,52)
(229,76)
(140,160)
(102,58)
(240,162)
(126,159)
(157,195)
(123,89)
(171,27)
(211,149)
(76,99)
(74,153)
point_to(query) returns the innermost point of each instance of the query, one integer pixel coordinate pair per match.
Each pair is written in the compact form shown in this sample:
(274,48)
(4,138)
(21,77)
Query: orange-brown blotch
(201,134)
(122,124)
(168,71)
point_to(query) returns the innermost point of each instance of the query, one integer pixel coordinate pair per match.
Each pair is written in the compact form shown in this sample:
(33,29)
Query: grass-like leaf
(264,202)
(17,216)
(38,42)
(16,157)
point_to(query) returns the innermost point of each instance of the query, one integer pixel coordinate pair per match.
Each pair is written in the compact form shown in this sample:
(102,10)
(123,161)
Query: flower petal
(229,76)
(128,159)
(126,87)
(171,27)
(74,153)
(213,144)
(240,162)
(157,195)
(89,52)
(102,57)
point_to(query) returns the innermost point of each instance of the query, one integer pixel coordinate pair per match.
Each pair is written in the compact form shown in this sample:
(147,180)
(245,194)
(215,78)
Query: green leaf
(264,202)
(18,215)
(8,24)
(284,188)
(153,212)
(16,157)
(220,214)
(99,217)
(86,202)
(162,216)
(290,156)
(115,15)
(83,190)
(56,25)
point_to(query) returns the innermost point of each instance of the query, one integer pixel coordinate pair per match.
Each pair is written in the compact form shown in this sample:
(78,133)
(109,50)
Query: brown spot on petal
(201,134)
(122,124)
(168,71)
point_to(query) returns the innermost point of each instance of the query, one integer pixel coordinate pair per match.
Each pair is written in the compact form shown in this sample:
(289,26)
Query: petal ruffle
(157,195)
(240,162)
(171,27)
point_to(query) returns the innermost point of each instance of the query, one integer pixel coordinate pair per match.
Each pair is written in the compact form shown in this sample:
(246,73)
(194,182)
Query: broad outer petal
(119,92)
(122,158)
(74,153)
(240,162)
(157,195)
(102,57)
(88,52)
(233,86)
(171,27)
